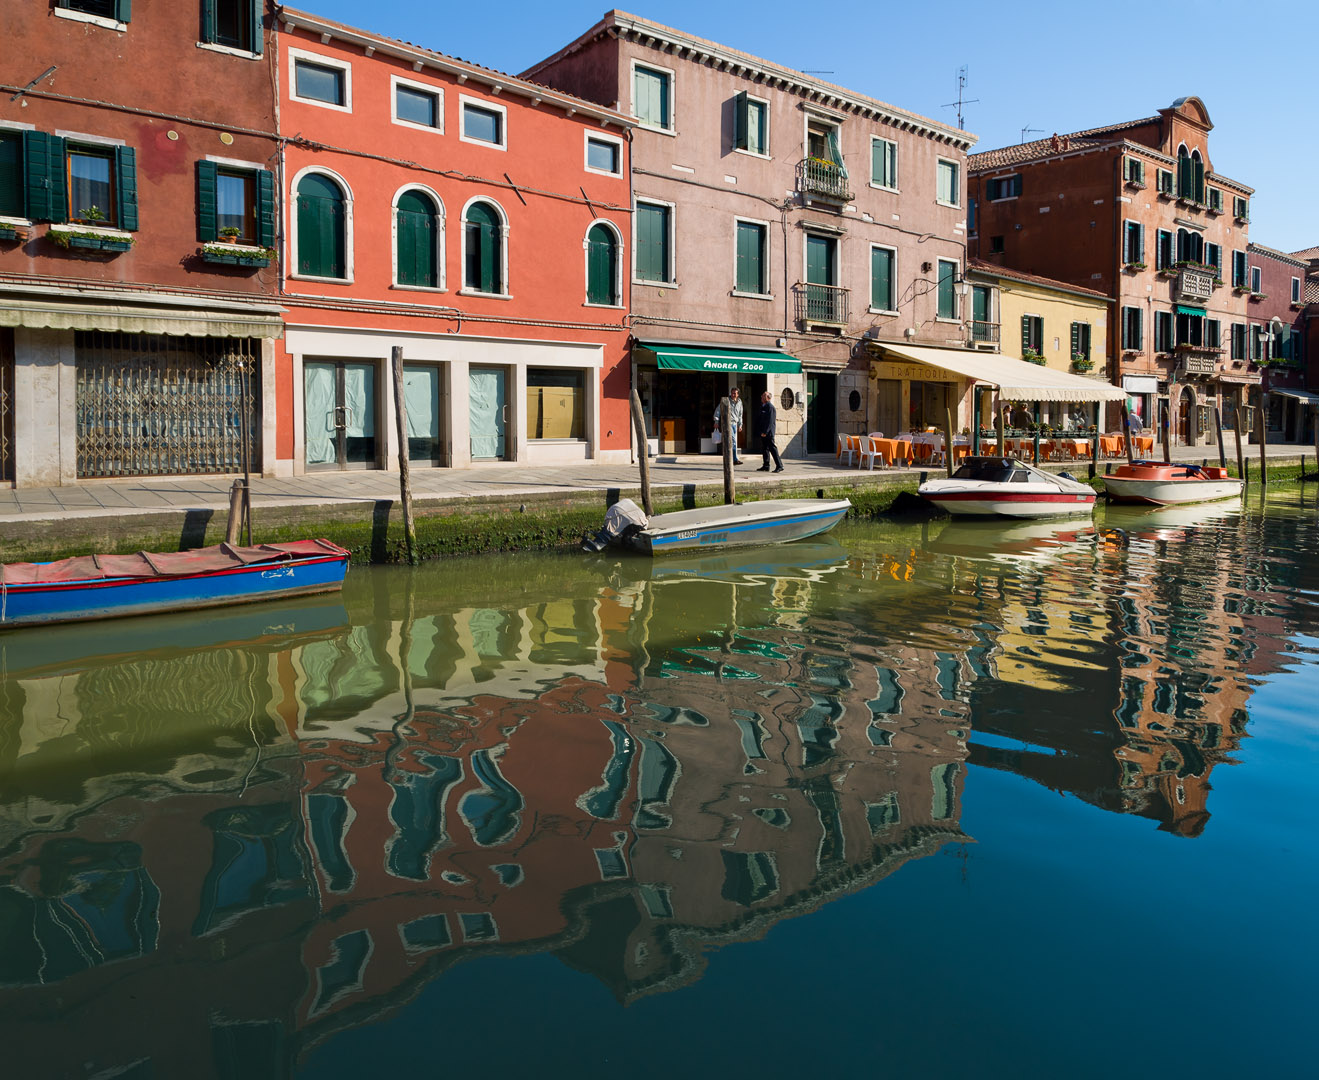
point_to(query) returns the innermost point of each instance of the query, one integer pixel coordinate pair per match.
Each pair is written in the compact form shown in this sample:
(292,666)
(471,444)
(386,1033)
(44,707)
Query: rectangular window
(1239,269)
(1257,334)
(750,124)
(1133,171)
(233,198)
(1163,178)
(235,24)
(996,245)
(604,155)
(1133,243)
(91,185)
(1080,342)
(12,184)
(751,258)
(1241,208)
(1216,199)
(1003,187)
(1214,258)
(1133,330)
(1256,279)
(652,245)
(947,188)
(1213,333)
(1032,335)
(1238,341)
(1163,331)
(418,105)
(1296,290)
(114,10)
(651,97)
(483,124)
(556,403)
(947,289)
(883,261)
(1163,252)
(971,216)
(318,82)
(883,163)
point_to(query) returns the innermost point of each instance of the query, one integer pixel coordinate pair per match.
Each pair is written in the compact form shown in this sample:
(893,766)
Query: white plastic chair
(870,452)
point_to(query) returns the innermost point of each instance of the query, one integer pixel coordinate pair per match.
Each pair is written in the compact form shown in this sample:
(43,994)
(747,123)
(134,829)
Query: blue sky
(1055,66)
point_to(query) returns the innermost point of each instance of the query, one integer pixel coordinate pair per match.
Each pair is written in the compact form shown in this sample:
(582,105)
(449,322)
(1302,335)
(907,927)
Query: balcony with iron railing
(823,305)
(984,333)
(821,179)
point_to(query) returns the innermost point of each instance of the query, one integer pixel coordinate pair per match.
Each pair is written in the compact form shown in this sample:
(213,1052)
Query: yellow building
(1039,319)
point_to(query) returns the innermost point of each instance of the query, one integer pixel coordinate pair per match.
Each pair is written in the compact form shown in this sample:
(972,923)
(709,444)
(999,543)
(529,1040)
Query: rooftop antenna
(817,71)
(1030,131)
(961,87)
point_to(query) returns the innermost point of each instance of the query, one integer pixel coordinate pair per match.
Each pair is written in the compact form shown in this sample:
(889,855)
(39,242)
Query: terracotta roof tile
(1031,279)
(1042,148)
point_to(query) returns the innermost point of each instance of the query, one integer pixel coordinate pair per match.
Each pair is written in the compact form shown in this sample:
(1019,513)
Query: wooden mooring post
(1259,434)
(642,444)
(404,473)
(726,436)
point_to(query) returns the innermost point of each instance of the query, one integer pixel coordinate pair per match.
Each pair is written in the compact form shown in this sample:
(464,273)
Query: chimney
(1057,142)
(1067,142)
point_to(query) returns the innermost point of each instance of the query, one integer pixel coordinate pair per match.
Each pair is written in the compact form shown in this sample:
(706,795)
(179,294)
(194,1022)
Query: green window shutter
(265,208)
(123,10)
(208,21)
(322,240)
(258,44)
(125,161)
(601,266)
(1025,333)
(416,221)
(1085,340)
(881,279)
(206,225)
(47,187)
(1076,338)
(652,243)
(13,186)
(750,271)
(741,122)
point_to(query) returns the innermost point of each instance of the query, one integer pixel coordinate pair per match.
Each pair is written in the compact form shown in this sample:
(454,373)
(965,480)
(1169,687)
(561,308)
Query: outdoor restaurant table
(894,450)
(1143,443)
(1110,445)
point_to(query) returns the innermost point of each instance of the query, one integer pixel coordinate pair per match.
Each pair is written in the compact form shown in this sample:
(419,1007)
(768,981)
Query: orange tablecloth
(1143,443)
(1110,445)
(894,450)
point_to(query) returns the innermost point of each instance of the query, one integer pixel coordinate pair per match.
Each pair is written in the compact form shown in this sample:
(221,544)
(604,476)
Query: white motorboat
(1164,484)
(1005,487)
(708,528)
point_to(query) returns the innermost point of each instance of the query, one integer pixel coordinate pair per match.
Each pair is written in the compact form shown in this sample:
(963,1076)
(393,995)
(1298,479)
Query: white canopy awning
(45,314)
(1299,395)
(1015,379)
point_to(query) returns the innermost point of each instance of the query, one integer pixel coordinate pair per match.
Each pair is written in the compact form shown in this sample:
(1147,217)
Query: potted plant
(229,234)
(1134,266)
(1081,362)
(91,215)
(217,252)
(1033,357)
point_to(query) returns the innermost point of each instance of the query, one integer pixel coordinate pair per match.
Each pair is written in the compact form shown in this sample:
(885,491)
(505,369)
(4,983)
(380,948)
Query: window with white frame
(652,96)
(602,265)
(1133,335)
(653,245)
(1003,187)
(113,14)
(751,273)
(483,122)
(1256,279)
(750,124)
(947,289)
(883,278)
(418,239)
(604,154)
(948,188)
(233,24)
(485,254)
(1163,181)
(883,163)
(1133,171)
(1133,243)
(320,80)
(1296,290)
(417,105)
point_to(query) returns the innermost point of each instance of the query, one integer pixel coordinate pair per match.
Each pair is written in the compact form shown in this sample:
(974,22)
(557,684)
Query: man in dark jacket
(767,422)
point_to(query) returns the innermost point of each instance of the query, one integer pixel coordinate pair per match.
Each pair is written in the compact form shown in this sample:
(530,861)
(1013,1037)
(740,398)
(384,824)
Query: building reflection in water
(268,827)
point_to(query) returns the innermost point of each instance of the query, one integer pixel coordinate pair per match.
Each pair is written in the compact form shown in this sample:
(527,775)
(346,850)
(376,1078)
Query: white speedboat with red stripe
(1005,487)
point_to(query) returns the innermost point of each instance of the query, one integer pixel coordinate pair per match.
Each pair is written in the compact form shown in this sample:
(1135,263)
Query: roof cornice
(814,92)
(464,72)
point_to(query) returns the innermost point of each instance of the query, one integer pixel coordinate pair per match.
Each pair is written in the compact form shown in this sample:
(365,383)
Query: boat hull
(80,600)
(1157,483)
(1024,504)
(772,521)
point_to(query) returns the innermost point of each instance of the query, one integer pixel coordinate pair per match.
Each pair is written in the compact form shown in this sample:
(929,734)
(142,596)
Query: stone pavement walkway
(127,498)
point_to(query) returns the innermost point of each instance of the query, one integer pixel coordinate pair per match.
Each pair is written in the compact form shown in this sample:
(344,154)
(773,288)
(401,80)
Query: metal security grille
(151,405)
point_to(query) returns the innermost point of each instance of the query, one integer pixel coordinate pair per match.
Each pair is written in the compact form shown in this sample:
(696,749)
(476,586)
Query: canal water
(917,799)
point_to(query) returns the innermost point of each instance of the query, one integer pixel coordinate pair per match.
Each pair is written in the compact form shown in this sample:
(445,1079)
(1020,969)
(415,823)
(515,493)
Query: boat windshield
(991,470)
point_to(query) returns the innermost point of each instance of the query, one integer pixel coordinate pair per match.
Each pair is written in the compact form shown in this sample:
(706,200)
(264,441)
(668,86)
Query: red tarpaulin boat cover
(162,565)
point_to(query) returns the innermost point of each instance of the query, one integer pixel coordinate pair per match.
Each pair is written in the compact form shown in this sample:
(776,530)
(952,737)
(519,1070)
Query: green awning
(1194,312)
(714,358)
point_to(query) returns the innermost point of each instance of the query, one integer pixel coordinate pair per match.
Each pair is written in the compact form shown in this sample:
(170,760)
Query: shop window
(556,403)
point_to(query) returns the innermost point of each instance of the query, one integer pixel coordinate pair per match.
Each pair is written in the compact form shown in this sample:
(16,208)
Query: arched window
(1190,174)
(416,239)
(601,265)
(322,228)
(1197,176)
(483,237)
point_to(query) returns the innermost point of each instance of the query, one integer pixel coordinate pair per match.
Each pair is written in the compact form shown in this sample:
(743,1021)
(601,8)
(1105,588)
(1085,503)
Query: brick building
(1136,211)
(1275,337)
(130,339)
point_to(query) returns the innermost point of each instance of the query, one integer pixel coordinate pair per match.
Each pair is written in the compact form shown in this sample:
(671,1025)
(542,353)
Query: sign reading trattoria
(890,369)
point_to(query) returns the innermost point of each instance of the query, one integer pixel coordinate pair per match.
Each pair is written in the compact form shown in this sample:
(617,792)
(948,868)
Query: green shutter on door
(265,208)
(125,163)
(47,190)
(206,223)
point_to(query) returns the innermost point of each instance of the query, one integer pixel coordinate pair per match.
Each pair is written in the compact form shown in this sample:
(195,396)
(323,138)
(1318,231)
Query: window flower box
(1259,296)
(1298,305)
(1032,357)
(1239,289)
(1168,271)
(107,240)
(1138,185)
(1241,219)
(12,232)
(1133,267)
(224,253)
(1082,364)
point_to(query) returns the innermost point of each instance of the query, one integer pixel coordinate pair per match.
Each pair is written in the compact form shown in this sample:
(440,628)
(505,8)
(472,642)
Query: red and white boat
(1163,484)
(1005,487)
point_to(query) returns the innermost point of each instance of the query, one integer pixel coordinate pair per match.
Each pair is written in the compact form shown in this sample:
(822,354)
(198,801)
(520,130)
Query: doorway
(340,422)
(423,398)
(821,412)
(488,413)
(1186,417)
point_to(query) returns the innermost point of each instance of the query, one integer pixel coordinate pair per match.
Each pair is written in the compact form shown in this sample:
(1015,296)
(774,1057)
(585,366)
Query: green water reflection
(276,831)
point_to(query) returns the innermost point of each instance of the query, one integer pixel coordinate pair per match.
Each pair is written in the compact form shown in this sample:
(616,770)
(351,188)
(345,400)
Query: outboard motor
(622,520)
